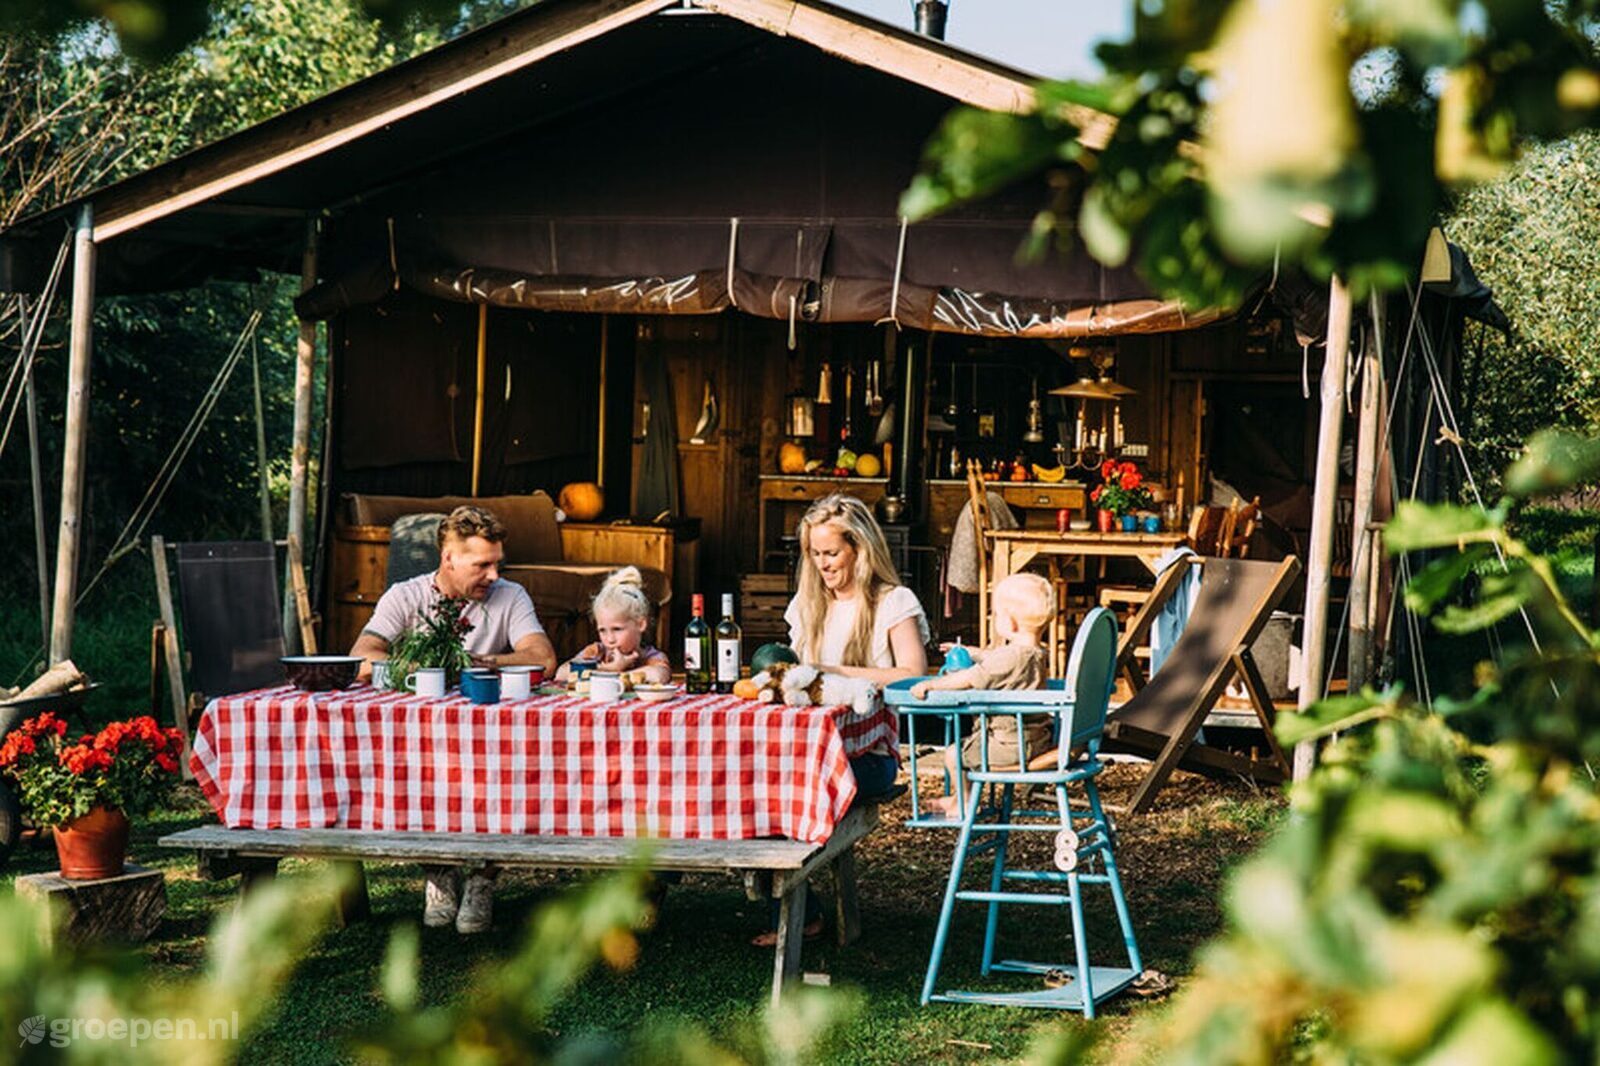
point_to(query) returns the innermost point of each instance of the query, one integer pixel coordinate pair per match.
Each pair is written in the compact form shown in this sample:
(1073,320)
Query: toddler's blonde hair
(623,593)
(1028,598)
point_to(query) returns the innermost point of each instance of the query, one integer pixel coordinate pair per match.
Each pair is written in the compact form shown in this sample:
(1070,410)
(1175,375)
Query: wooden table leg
(255,874)
(846,903)
(791,934)
(353,902)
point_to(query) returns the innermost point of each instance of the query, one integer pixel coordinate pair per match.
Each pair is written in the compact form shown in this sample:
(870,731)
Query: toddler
(622,616)
(1023,607)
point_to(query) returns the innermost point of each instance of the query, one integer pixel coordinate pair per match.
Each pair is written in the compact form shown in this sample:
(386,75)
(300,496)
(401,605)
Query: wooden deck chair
(1205,529)
(982,524)
(1237,597)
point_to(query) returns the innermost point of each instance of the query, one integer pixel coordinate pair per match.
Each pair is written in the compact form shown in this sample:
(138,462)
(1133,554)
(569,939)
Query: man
(505,632)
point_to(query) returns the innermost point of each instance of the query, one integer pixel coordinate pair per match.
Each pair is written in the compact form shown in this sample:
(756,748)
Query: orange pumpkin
(792,458)
(582,501)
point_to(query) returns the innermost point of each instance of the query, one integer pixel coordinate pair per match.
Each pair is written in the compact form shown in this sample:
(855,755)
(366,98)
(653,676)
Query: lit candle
(1116,422)
(1077,429)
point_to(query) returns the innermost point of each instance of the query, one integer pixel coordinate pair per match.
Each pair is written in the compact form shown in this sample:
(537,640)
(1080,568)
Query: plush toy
(800,685)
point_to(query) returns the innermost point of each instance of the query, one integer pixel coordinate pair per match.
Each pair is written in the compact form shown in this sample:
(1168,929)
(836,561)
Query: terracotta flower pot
(1105,521)
(94,846)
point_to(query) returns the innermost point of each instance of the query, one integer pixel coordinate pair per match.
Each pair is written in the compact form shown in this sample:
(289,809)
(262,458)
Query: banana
(1049,474)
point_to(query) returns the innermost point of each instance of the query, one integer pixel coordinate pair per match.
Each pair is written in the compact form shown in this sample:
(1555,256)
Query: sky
(1054,38)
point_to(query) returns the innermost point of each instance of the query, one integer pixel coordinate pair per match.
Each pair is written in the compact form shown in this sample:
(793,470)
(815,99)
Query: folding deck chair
(1237,598)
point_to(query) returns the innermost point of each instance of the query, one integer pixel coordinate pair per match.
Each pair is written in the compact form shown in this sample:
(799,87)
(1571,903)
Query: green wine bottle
(697,670)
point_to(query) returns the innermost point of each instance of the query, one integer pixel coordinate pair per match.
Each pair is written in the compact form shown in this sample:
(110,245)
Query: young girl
(1023,607)
(622,616)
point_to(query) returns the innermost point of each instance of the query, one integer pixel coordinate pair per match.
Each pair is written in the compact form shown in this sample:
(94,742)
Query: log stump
(126,909)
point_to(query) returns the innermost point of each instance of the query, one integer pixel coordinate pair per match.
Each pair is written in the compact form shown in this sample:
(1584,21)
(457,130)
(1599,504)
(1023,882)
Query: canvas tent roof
(644,155)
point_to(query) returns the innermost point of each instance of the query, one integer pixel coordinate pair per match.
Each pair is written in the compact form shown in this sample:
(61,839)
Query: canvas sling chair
(1164,716)
(229,613)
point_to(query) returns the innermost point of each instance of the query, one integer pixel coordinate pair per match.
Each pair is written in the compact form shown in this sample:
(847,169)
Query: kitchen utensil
(708,416)
(874,397)
(825,385)
(656,693)
(319,673)
(886,424)
(518,682)
(604,688)
(891,509)
(849,390)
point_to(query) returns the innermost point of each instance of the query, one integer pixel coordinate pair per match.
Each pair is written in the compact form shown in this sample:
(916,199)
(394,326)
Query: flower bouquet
(438,640)
(1122,491)
(87,789)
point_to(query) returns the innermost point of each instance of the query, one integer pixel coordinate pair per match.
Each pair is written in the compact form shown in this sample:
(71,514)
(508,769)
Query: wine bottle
(697,649)
(728,638)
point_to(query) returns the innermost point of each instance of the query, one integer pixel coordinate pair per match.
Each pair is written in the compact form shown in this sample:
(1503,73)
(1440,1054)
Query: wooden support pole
(300,448)
(1362,543)
(477,411)
(1319,563)
(600,444)
(41,546)
(75,448)
(169,645)
(261,444)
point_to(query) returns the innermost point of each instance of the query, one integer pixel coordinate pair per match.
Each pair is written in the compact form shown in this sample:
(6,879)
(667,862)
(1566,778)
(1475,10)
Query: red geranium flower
(1108,468)
(1095,494)
(1131,481)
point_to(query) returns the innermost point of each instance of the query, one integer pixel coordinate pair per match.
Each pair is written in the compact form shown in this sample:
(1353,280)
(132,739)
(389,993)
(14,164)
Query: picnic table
(715,782)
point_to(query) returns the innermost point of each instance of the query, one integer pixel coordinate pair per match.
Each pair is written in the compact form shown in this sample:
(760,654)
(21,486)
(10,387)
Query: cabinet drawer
(868,490)
(1049,497)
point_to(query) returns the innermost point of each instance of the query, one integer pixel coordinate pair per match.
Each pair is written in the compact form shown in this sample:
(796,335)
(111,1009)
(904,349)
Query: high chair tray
(1056,694)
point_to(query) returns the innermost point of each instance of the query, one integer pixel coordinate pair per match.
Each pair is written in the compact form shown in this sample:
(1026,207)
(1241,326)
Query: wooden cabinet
(1034,503)
(1035,496)
(596,542)
(787,497)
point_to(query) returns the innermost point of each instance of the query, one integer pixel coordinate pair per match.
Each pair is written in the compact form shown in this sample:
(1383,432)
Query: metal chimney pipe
(931,15)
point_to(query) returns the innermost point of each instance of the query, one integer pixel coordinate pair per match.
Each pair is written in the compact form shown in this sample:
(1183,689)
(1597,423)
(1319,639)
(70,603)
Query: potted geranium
(1121,492)
(86,790)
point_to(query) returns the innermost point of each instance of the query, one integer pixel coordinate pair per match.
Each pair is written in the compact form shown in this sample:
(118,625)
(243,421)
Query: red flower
(1128,468)
(1131,481)
(167,763)
(1108,468)
(1094,496)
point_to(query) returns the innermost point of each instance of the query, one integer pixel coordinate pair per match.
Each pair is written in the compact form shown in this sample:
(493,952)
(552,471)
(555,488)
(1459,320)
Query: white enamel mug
(380,673)
(604,688)
(516,682)
(427,682)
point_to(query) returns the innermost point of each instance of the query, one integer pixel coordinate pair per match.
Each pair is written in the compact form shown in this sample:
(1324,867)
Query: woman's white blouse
(895,606)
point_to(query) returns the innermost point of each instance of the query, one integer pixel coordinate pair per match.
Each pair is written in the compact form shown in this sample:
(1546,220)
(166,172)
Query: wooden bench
(771,868)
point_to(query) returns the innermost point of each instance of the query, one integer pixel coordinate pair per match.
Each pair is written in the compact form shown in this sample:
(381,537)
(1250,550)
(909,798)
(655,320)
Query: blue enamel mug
(480,686)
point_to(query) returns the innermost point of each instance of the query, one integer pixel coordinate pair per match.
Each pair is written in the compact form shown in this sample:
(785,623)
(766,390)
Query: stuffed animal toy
(800,685)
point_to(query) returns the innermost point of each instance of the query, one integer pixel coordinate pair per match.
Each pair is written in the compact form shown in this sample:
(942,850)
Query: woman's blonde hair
(874,575)
(623,592)
(1028,598)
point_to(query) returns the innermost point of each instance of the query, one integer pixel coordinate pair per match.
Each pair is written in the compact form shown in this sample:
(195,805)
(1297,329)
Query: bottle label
(691,654)
(727,660)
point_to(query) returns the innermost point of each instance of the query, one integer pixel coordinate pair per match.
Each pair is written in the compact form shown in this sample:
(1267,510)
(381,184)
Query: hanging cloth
(658,463)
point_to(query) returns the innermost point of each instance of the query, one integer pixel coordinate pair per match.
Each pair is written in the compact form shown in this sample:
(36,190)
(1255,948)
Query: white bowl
(656,693)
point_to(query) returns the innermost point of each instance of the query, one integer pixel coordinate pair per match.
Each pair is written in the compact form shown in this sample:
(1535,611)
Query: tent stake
(300,450)
(1324,497)
(75,447)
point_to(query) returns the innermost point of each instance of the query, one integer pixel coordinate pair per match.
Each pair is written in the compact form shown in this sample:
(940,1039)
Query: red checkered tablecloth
(705,767)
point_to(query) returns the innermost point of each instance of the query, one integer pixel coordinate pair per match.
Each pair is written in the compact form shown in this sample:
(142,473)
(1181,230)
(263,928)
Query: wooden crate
(762,600)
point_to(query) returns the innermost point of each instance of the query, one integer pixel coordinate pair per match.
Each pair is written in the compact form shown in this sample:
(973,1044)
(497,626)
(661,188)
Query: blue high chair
(1084,837)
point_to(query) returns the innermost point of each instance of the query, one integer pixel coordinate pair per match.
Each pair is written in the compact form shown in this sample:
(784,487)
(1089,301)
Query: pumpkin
(792,458)
(582,501)
(746,689)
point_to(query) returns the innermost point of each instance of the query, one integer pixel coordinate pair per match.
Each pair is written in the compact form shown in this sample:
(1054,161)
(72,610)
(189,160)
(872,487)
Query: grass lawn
(696,967)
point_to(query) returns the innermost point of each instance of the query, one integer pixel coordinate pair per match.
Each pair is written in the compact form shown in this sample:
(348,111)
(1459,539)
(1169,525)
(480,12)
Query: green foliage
(435,641)
(1436,897)
(1534,238)
(1315,133)
(128,766)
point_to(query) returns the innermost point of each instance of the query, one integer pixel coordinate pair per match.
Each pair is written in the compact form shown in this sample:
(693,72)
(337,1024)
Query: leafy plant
(1436,896)
(128,766)
(435,641)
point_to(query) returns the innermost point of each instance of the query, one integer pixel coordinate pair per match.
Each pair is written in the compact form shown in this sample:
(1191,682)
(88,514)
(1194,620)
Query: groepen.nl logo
(131,1031)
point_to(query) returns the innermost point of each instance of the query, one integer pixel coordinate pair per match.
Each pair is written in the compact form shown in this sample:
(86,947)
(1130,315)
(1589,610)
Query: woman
(850,615)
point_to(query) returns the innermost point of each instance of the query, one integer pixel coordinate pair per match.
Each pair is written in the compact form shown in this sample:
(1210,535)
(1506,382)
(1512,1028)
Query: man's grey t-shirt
(499,621)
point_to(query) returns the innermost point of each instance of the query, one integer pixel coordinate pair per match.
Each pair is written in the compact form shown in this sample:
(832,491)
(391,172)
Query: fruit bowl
(321,673)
